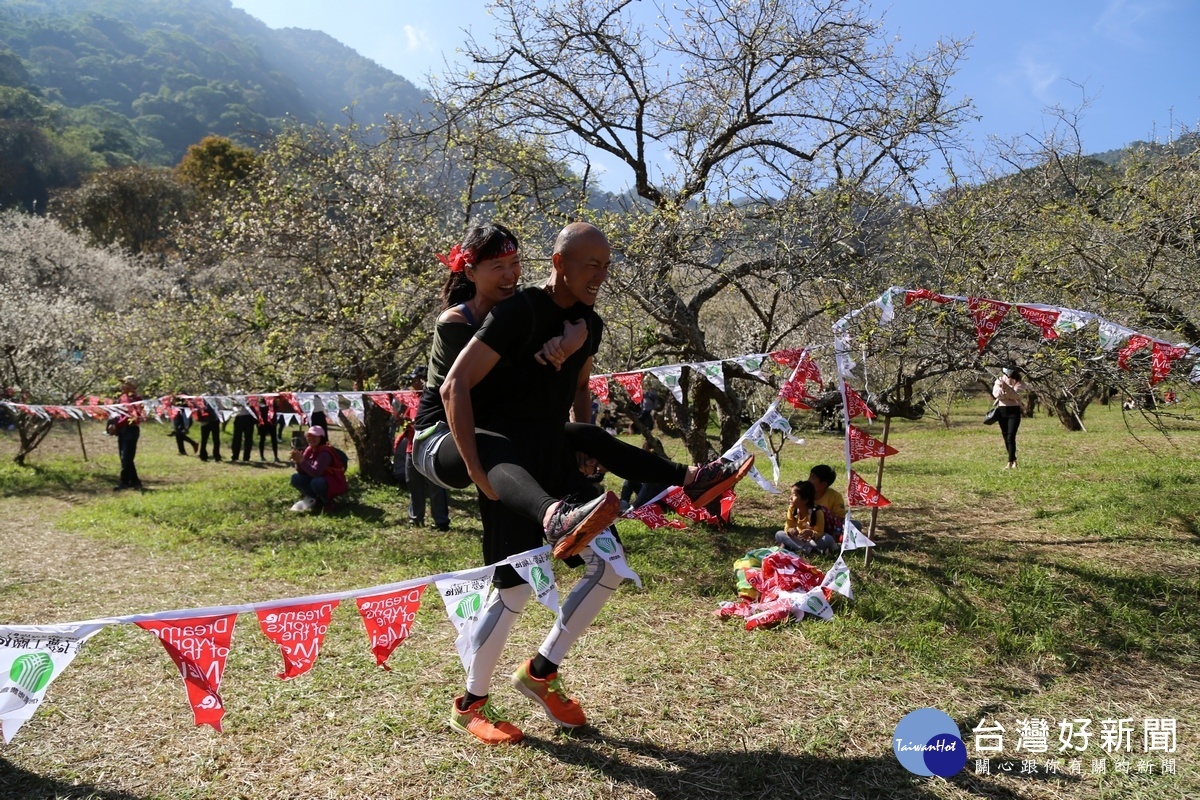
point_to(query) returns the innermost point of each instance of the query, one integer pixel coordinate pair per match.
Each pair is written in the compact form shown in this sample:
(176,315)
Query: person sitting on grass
(805,528)
(822,477)
(320,475)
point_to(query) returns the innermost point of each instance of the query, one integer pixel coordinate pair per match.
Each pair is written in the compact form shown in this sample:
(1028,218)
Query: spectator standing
(210,426)
(1007,391)
(243,432)
(264,417)
(181,423)
(128,429)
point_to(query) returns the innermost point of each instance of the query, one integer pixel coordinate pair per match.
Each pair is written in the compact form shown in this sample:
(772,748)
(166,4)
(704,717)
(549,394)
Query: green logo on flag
(469,606)
(814,605)
(32,671)
(540,582)
(605,545)
(841,579)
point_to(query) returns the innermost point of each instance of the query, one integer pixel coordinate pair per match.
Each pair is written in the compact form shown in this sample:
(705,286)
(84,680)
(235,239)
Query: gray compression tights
(498,616)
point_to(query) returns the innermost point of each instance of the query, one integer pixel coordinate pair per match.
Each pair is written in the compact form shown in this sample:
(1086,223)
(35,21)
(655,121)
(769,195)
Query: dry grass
(681,705)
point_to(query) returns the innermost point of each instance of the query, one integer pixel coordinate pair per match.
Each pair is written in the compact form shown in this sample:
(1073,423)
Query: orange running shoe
(572,527)
(485,722)
(548,692)
(715,478)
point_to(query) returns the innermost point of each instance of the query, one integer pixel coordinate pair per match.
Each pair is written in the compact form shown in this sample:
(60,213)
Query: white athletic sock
(581,607)
(495,623)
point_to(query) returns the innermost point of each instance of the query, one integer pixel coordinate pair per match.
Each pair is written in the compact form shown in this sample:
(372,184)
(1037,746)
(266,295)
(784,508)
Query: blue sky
(1137,61)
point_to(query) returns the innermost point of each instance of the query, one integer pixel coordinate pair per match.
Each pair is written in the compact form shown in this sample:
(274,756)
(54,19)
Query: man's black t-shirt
(525,398)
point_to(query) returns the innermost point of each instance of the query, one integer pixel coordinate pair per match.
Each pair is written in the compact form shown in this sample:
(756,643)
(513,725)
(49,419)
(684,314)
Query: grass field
(1066,589)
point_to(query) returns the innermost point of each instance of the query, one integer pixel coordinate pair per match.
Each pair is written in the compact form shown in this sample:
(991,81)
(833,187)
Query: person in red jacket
(320,475)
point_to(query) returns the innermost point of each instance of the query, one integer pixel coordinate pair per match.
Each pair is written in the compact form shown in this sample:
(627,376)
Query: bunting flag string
(987,315)
(198,640)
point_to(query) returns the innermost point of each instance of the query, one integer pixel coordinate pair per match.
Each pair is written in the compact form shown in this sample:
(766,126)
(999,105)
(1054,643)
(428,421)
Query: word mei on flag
(389,619)
(987,315)
(299,631)
(864,445)
(860,493)
(199,648)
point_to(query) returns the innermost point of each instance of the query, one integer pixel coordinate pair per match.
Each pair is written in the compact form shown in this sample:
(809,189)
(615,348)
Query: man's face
(584,266)
(818,484)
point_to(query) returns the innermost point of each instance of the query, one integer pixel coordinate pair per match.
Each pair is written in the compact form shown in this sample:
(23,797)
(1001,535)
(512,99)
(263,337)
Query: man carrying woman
(499,418)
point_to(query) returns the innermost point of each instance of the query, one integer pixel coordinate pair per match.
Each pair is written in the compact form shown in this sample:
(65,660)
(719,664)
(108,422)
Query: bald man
(497,384)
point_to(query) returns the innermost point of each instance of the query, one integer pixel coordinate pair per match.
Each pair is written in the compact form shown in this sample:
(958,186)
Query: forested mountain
(94,83)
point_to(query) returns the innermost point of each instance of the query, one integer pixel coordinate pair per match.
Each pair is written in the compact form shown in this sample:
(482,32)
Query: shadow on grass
(21,784)
(48,480)
(672,773)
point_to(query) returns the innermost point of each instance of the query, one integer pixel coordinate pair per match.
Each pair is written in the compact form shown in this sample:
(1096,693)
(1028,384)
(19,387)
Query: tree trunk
(372,442)
(695,430)
(32,430)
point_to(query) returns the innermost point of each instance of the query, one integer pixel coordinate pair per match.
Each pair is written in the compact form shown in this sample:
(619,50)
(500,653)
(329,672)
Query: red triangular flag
(912,295)
(1162,356)
(1043,318)
(389,619)
(860,493)
(678,500)
(381,399)
(987,315)
(809,371)
(199,648)
(864,445)
(631,382)
(793,392)
(788,358)
(727,501)
(598,386)
(652,516)
(299,631)
(855,405)
(1135,343)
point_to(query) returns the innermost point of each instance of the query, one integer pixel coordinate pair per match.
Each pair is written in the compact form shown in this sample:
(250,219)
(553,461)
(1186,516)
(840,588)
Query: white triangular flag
(853,538)
(712,371)
(1112,334)
(608,547)
(887,310)
(737,454)
(465,594)
(332,404)
(31,657)
(1070,320)
(816,605)
(838,578)
(669,377)
(538,571)
(752,364)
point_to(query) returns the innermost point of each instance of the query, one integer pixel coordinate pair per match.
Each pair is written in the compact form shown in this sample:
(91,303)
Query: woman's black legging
(1009,419)
(522,493)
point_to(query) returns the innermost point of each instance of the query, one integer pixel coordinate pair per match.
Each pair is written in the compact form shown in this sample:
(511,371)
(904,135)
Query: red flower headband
(458,259)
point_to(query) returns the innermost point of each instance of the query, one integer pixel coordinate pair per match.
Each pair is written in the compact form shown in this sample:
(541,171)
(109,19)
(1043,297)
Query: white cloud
(1040,76)
(416,39)
(1120,19)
